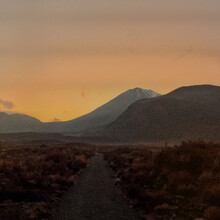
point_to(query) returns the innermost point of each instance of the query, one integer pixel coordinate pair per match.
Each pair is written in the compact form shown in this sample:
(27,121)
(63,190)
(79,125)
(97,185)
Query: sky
(62,59)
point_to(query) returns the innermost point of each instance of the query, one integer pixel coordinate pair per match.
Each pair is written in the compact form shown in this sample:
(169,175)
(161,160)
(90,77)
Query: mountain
(11,123)
(103,115)
(186,113)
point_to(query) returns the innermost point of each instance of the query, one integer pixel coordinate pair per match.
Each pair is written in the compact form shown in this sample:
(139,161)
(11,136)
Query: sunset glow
(63,59)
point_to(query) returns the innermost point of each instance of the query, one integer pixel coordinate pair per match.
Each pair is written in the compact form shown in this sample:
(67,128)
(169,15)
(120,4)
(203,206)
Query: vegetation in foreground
(33,179)
(181,182)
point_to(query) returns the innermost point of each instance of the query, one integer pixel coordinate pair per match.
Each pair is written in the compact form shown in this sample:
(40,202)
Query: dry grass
(182,181)
(33,179)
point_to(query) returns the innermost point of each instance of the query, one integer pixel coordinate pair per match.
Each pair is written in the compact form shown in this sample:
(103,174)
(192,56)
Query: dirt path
(95,197)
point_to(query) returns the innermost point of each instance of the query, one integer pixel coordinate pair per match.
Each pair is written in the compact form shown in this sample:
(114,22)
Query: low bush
(185,176)
(33,179)
(212,213)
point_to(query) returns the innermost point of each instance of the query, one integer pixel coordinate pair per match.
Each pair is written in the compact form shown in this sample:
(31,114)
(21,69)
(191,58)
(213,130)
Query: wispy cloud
(83,93)
(6,104)
(184,54)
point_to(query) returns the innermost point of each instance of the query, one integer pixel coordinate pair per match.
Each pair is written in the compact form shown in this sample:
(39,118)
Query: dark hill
(10,123)
(186,113)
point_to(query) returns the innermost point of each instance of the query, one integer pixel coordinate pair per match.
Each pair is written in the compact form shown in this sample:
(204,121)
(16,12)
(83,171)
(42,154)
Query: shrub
(185,176)
(212,213)
(162,209)
(213,195)
(32,176)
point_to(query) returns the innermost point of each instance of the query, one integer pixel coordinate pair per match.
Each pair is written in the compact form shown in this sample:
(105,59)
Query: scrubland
(34,179)
(181,182)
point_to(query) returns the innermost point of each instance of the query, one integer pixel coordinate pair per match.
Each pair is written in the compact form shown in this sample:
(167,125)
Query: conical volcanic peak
(106,113)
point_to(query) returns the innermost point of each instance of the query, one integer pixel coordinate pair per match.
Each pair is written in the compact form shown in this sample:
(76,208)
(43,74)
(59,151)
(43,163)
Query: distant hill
(103,115)
(186,113)
(11,123)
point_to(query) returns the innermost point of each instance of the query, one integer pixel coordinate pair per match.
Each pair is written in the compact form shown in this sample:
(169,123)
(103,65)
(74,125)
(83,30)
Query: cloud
(6,104)
(55,119)
(83,93)
(184,54)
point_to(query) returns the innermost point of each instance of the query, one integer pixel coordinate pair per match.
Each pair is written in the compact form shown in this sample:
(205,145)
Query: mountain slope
(186,113)
(103,115)
(10,123)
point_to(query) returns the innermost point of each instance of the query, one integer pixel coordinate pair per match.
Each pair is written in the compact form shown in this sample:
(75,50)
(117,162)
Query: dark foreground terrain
(40,182)
(181,182)
(34,179)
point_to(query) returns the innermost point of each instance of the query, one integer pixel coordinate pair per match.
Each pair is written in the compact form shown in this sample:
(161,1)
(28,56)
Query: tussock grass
(180,181)
(33,179)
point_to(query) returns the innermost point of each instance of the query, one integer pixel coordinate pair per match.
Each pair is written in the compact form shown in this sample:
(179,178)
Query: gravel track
(95,196)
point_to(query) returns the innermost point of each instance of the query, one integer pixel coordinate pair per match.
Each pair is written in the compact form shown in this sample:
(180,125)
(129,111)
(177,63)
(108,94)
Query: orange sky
(62,59)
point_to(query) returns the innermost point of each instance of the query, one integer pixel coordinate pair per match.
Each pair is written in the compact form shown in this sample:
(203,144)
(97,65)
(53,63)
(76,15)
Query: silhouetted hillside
(10,123)
(186,113)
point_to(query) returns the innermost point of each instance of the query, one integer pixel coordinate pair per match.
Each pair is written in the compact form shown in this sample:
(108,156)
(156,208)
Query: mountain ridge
(185,113)
(104,114)
(99,117)
(190,112)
